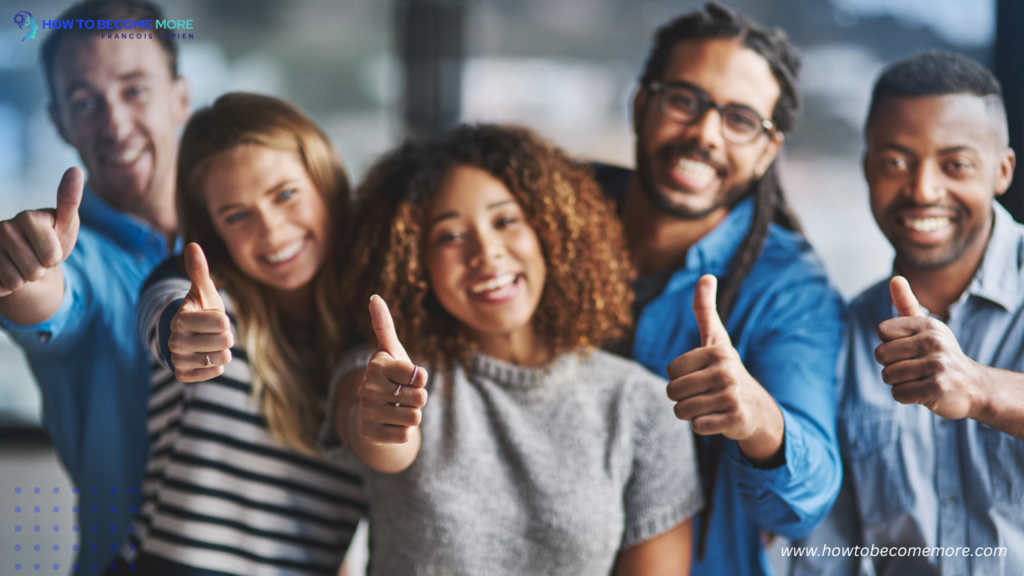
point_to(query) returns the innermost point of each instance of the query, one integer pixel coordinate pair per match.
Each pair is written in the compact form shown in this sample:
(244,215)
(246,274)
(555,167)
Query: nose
(118,120)
(271,221)
(709,129)
(927,186)
(486,247)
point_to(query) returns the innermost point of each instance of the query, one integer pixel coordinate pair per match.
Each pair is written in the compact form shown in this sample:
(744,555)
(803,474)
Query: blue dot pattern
(41,553)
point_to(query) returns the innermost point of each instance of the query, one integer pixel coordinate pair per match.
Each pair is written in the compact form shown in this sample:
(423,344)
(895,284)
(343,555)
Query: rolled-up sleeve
(794,359)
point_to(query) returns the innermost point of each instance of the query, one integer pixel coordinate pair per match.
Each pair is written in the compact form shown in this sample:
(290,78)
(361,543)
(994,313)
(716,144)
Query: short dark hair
(935,73)
(105,10)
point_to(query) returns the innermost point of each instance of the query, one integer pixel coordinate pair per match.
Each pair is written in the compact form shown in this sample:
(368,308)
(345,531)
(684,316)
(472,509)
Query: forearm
(668,554)
(765,448)
(1002,403)
(792,498)
(36,301)
(386,458)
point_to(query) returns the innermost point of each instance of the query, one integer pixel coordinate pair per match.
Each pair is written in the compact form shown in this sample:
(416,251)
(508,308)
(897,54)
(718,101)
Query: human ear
(640,100)
(51,109)
(771,152)
(1004,170)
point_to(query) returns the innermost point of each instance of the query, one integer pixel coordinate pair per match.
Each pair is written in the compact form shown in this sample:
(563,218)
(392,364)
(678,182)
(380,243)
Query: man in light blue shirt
(931,416)
(715,100)
(70,277)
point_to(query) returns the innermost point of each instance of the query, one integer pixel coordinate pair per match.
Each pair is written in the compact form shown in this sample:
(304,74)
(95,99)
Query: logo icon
(25,20)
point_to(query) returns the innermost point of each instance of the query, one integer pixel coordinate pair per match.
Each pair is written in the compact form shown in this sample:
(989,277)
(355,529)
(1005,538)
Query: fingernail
(374,296)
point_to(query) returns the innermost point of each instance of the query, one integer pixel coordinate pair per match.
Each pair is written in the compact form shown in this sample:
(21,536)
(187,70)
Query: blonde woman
(241,338)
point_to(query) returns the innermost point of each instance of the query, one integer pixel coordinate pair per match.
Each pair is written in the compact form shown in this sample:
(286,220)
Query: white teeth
(926,224)
(285,253)
(126,157)
(696,170)
(493,283)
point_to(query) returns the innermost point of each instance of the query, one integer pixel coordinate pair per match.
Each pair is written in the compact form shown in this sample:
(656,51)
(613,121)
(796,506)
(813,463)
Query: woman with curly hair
(538,453)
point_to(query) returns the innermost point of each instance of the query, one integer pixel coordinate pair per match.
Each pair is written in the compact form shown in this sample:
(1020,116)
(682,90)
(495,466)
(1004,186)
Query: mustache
(690,151)
(901,205)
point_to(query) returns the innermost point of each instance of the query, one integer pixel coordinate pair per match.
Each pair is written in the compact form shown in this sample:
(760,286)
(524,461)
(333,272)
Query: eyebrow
(453,214)
(269,191)
(942,152)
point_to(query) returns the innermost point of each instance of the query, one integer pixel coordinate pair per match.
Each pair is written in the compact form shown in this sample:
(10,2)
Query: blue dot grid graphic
(34,542)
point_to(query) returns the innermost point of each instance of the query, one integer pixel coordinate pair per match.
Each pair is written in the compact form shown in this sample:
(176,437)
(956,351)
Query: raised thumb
(903,297)
(203,293)
(69,198)
(705,310)
(384,329)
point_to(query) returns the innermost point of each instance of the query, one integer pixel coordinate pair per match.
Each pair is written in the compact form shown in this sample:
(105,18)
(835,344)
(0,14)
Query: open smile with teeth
(286,253)
(926,224)
(696,171)
(499,281)
(125,158)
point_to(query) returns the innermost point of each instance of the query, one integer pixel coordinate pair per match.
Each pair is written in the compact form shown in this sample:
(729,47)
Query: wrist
(765,446)
(982,403)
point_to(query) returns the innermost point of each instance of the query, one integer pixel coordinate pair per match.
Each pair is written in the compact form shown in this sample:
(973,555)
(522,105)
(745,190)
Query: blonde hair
(289,379)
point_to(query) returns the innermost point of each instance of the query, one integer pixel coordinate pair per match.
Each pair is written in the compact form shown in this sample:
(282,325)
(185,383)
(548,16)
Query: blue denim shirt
(916,479)
(786,325)
(94,373)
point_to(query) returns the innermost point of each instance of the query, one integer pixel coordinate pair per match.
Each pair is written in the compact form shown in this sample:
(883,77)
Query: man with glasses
(755,377)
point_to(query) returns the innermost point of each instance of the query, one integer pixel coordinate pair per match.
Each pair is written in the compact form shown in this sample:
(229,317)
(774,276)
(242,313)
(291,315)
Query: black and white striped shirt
(219,492)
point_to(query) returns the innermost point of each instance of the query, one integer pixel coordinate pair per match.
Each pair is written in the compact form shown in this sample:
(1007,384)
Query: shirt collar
(127,231)
(716,249)
(998,277)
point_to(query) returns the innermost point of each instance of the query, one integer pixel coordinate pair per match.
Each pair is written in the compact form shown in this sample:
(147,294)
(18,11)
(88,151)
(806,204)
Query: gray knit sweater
(534,471)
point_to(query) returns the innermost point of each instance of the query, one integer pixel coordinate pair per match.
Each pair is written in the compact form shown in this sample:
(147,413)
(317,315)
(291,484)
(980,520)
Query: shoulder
(170,271)
(623,380)
(613,367)
(870,307)
(612,179)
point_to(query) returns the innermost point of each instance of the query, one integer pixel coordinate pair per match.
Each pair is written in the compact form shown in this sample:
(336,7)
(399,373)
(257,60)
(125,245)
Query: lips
(690,168)
(285,253)
(125,157)
(497,288)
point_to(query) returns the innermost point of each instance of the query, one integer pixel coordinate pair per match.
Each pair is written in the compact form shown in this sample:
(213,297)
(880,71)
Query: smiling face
(933,165)
(118,105)
(483,259)
(269,214)
(690,171)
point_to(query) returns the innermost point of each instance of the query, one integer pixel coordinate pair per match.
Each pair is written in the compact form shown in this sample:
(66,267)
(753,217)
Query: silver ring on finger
(208,363)
(415,371)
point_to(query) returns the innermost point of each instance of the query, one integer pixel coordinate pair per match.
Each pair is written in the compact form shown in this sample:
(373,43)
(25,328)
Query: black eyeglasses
(686,104)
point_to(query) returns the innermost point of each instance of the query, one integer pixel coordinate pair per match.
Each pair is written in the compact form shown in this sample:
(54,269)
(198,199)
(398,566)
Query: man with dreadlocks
(756,378)
(931,411)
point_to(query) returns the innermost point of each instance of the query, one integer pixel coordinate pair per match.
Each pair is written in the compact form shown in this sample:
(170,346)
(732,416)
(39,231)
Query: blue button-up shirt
(918,480)
(786,325)
(94,373)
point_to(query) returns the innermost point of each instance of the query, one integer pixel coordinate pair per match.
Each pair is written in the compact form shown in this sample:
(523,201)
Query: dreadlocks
(715,21)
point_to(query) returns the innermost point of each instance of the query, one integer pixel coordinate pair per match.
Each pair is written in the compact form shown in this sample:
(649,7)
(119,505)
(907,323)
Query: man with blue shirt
(755,376)
(931,416)
(70,277)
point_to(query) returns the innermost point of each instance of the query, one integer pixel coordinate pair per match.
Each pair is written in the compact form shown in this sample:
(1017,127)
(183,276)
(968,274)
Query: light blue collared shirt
(786,326)
(94,373)
(918,480)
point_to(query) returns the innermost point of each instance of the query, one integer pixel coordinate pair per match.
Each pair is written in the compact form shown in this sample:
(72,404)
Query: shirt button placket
(952,512)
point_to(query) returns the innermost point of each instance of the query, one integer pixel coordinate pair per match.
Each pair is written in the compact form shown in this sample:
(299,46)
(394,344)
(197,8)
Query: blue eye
(286,194)
(505,222)
(236,217)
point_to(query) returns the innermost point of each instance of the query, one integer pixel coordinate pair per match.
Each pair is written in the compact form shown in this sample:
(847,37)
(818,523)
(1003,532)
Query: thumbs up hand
(923,362)
(713,390)
(392,392)
(35,241)
(201,338)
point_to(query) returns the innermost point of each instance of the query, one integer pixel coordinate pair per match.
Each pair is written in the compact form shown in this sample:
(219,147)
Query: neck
(298,308)
(660,241)
(157,210)
(938,289)
(521,347)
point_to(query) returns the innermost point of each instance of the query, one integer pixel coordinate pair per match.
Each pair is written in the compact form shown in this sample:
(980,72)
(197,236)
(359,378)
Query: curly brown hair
(587,297)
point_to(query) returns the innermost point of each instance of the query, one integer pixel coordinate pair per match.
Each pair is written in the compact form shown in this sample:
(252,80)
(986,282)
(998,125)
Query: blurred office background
(371,71)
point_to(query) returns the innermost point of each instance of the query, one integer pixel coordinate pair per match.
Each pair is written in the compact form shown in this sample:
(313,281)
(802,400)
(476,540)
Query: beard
(662,201)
